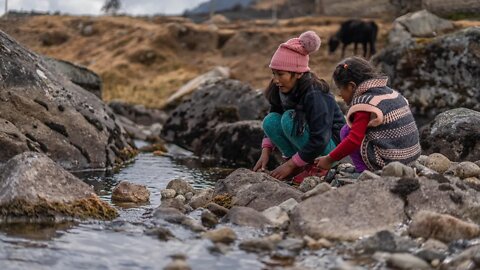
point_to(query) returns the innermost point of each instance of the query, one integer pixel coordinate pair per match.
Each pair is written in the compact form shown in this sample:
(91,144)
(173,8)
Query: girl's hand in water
(262,162)
(324,162)
(284,170)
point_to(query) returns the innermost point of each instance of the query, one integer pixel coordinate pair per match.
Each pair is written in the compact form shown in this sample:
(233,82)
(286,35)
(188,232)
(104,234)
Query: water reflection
(122,243)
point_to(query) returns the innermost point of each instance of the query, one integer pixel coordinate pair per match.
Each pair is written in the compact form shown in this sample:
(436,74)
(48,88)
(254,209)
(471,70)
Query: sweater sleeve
(354,139)
(319,117)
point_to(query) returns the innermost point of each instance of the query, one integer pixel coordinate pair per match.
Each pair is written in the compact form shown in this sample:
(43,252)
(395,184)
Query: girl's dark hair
(305,82)
(354,69)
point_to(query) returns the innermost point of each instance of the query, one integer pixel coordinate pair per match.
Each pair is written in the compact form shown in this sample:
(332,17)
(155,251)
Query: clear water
(122,243)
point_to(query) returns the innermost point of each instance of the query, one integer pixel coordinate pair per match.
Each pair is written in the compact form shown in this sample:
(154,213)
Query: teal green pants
(278,129)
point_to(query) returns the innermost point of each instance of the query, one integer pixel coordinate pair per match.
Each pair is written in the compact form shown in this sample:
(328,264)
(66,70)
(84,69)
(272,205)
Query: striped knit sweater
(392,134)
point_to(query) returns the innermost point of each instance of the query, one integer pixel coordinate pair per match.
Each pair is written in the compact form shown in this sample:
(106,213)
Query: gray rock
(161,233)
(473,182)
(78,75)
(202,198)
(245,216)
(465,169)
(177,265)
(138,114)
(319,189)
(180,186)
(195,123)
(180,198)
(397,169)
(422,72)
(318,216)
(423,24)
(257,245)
(454,134)
(465,258)
(444,196)
(367,175)
(255,190)
(175,216)
(33,188)
(222,235)
(216,209)
(54,115)
(309,183)
(209,219)
(277,216)
(189,196)
(437,162)
(385,241)
(445,228)
(288,205)
(292,244)
(406,261)
(129,192)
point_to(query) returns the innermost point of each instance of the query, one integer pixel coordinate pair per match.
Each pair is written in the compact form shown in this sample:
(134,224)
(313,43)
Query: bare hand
(284,170)
(262,162)
(324,162)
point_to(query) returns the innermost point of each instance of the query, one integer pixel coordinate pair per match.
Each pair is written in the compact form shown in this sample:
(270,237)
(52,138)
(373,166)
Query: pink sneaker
(310,170)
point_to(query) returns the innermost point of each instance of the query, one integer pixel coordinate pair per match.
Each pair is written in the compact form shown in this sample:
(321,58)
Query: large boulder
(255,190)
(418,24)
(33,188)
(138,113)
(42,110)
(455,134)
(192,124)
(350,212)
(445,196)
(449,8)
(79,75)
(435,75)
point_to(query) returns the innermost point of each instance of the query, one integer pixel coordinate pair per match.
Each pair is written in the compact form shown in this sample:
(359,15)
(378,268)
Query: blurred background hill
(145,59)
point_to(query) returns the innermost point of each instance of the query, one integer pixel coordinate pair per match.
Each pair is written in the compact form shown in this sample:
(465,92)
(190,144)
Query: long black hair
(304,83)
(308,81)
(354,69)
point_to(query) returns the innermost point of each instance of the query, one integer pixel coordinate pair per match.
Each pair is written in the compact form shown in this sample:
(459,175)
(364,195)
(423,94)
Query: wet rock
(177,204)
(421,70)
(180,198)
(277,216)
(175,216)
(245,216)
(255,190)
(222,235)
(202,198)
(78,75)
(189,196)
(257,245)
(406,261)
(397,169)
(129,192)
(36,189)
(431,256)
(180,186)
(455,134)
(367,175)
(465,169)
(385,241)
(460,202)
(177,265)
(159,146)
(168,193)
(194,124)
(437,162)
(209,219)
(216,209)
(55,116)
(292,244)
(319,189)
(138,114)
(445,228)
(309,183)
(318,216)
(161,233)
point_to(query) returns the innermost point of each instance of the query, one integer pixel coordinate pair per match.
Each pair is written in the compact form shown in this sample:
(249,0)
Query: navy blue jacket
(324,119)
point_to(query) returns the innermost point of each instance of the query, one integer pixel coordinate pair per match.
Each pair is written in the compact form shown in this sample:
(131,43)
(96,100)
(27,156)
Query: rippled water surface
(123,244)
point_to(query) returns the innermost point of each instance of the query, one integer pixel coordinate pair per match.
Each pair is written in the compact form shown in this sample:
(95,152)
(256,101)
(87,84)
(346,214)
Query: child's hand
(324,162)
(262,162)
(284,170)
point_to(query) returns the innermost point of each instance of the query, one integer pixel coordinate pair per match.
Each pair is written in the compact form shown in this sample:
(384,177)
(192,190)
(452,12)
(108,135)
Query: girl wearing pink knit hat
(304,120)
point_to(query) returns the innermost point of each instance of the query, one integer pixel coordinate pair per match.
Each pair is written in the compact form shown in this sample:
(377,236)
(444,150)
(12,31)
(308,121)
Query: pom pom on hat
(310,41)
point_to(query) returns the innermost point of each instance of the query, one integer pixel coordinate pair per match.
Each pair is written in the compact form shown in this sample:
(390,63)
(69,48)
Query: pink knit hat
(293,54)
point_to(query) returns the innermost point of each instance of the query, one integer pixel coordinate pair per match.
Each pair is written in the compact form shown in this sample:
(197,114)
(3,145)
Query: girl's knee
(271,122)
(287,121)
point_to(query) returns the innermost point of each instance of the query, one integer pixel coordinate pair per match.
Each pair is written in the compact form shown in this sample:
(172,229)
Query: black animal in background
(355,31)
